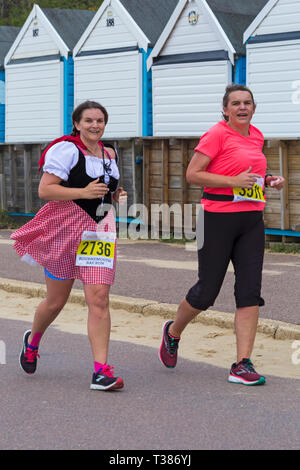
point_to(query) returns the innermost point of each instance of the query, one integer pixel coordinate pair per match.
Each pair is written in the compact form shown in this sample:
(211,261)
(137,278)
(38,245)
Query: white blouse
(63,156)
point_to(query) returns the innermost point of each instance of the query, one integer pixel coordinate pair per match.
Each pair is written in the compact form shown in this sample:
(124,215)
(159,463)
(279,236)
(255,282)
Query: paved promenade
(54,409)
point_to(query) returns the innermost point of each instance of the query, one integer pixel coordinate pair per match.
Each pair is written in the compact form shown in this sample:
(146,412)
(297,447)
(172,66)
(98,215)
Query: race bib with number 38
(254,194)
(96,249)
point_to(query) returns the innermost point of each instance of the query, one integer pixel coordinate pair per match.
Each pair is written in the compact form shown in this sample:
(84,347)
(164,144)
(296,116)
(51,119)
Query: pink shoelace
(31,354)
(107,370)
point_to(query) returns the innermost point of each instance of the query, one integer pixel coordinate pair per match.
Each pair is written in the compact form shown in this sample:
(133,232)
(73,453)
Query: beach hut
(39,75)
(273,68)
(110,62)
(199,52)
(7,36)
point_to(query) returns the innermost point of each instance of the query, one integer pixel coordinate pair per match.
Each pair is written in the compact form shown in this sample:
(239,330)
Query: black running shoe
(104,380)
(28,356)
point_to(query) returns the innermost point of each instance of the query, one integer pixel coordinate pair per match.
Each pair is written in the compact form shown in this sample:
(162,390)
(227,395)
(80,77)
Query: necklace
(95,152)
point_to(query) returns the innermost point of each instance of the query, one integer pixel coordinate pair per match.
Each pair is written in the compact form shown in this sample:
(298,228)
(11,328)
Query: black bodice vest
(78,178)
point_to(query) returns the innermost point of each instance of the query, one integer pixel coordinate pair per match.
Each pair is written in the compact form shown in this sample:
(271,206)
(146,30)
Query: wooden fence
(160,179)
(19,177)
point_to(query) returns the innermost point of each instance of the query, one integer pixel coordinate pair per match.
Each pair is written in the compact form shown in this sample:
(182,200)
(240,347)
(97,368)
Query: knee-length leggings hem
(232,236)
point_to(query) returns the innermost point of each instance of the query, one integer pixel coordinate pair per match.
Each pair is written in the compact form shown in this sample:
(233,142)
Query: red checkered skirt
(52,237)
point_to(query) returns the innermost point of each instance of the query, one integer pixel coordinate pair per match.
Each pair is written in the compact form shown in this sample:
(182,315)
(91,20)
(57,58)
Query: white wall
(273,74)
(283,18)
(187,98)
(35,46)
(34,102)
(187,38)
(114,80)
(103,37)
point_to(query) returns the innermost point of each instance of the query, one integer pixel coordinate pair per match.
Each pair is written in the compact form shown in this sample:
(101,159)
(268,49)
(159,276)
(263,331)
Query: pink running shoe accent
(31,354)
(28,356)
(105,380)
(103,368)
(244,373)
(168,350)
(107,370)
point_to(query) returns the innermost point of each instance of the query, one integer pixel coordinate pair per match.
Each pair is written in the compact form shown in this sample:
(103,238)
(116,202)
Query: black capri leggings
(235,236)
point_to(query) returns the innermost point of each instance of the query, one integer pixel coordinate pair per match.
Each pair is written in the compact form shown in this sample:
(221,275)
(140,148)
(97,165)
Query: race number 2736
(96,250)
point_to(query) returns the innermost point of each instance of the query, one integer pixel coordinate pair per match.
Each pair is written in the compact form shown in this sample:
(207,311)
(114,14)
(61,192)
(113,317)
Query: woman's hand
(120,195)
(276,182)
(50,189)
(95,190)
(246,179)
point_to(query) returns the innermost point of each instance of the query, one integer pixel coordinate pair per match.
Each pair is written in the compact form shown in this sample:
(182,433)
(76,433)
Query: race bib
(254,194)
(96,249)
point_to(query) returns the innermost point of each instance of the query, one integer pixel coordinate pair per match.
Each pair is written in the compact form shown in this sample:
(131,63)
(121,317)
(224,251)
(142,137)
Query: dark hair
(77,113)
(232,88)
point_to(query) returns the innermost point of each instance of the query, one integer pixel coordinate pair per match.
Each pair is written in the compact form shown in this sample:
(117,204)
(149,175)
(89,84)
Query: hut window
(35,32)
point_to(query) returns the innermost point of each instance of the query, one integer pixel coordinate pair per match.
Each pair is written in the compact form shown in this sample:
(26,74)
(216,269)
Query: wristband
(268,174)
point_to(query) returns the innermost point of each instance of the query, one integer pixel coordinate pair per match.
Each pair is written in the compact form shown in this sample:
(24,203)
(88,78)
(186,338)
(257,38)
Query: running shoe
(105,380)
(244,373)
(28,356)
(169,346)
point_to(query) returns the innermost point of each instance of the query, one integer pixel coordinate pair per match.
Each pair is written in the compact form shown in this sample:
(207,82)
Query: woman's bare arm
(197,175)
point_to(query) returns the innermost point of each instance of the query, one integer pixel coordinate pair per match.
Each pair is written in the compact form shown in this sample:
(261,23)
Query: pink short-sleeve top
(230,154)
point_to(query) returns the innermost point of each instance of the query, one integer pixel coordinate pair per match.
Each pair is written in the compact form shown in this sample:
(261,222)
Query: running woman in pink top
(230,165)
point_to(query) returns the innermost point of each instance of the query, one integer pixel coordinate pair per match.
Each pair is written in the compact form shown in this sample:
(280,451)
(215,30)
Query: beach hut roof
(235,16)
(69,24)
(64,26)
(259,18)
(7,36)
(150,15)
(145,18)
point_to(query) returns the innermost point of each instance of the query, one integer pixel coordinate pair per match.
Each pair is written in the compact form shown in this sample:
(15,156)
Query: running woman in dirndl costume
(73,236)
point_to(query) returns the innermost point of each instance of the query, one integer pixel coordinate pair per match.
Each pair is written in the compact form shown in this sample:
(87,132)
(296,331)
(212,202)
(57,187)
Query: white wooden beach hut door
(34,101)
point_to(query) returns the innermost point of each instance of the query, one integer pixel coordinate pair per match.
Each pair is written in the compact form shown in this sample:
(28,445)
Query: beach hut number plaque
(193,17)
(110,21)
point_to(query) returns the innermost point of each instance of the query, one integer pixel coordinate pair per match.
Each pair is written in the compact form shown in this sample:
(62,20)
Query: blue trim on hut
(240,71)
(147,97)
(2,105)
(68,93)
